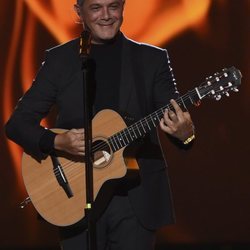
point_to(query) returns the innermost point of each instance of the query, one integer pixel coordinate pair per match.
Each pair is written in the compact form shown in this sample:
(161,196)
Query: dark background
(210,183)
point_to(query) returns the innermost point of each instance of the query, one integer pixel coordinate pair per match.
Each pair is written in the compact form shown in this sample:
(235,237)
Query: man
(129,77)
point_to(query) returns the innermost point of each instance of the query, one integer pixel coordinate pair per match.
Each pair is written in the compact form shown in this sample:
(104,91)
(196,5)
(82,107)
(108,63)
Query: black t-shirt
(107,58)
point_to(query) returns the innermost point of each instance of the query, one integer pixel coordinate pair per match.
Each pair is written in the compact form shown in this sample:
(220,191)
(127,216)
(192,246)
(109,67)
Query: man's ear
(77,10)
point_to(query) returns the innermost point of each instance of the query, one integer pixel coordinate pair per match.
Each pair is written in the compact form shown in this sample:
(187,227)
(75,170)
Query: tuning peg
(218,97)
(221,88)
(230,84)
(226,74)
(217,79)
(227,94)
(235,90)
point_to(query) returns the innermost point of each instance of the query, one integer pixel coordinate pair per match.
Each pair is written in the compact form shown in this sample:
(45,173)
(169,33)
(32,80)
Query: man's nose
(105,13)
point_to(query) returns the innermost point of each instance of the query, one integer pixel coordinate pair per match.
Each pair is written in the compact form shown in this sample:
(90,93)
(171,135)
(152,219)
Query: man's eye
(95,8)
(114,7)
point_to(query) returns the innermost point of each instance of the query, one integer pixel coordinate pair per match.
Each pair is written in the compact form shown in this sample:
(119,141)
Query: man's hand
(178,124)
(71,142)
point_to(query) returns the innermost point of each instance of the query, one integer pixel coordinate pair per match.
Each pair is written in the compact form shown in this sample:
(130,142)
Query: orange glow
(57,24)
(8,102)
(151,21)
(27,66)
(158,25)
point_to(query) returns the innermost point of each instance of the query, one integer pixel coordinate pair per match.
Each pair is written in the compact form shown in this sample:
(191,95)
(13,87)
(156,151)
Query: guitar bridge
(61,177)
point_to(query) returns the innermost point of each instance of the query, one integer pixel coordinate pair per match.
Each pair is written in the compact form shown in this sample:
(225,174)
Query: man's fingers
(173,116)
(177,108)
(76,134)
(167,118)
(175,105)
(81,149)
(77,131)
(80,136)
(165,127)
(187,116)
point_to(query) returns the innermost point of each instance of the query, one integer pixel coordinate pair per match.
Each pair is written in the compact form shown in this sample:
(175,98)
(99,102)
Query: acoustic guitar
(56,185)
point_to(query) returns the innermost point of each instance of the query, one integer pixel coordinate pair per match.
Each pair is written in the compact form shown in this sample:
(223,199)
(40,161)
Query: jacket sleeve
(165,87)
(24,126)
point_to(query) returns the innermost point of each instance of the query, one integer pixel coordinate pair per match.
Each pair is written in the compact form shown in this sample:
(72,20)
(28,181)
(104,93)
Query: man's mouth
(106,24)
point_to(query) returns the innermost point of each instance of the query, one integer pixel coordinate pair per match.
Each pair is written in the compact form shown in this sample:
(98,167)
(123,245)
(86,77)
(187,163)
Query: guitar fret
(153,120)
(123,139)
(120,140)
(198,93)
(143,127)
(190,98)
(148,124)
(126,135)
(111,142)
(130,135)
(184,105)
(116,142)
(134,133)
(138,129)
(159,118)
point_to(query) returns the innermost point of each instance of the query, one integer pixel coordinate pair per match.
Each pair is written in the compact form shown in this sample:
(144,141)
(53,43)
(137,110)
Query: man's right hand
(71,142)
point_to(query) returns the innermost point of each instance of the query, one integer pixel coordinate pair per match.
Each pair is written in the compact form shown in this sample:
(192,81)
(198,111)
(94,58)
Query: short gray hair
(80,2)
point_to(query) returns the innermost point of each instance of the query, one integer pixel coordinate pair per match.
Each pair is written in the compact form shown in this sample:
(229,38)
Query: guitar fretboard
(145,125)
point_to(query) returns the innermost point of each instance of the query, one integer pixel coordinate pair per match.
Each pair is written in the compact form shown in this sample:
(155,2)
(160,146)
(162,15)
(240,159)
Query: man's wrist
(46,142)
(189,139)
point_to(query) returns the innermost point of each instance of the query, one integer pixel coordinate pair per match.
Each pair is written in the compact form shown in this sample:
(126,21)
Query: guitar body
(49,198)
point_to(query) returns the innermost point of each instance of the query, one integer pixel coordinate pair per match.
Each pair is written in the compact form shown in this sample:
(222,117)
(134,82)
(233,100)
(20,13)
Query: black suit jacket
(147,83)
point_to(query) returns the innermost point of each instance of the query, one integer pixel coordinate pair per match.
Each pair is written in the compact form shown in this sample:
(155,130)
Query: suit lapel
(132,84)
(127,76)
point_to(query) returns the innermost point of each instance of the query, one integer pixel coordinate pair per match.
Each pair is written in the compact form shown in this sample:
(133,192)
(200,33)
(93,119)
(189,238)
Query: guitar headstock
(220,84)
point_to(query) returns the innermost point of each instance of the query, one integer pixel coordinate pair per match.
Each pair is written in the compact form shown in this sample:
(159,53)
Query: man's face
(103,17)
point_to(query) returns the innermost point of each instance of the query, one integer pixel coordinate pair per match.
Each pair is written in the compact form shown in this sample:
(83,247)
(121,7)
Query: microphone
(85,44)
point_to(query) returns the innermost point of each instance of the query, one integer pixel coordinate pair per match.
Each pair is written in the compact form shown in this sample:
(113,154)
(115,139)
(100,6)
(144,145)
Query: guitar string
(140,124)
(126,132)
(136,126)
(148,118)
(143,122)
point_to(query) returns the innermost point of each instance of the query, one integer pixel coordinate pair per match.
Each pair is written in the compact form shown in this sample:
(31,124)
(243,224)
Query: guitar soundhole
(102,153)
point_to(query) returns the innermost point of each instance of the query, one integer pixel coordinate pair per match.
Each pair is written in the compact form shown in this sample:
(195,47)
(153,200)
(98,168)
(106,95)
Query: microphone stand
(85,42)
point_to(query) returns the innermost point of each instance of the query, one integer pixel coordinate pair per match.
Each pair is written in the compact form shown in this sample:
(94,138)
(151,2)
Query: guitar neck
(214,87)
(145,125)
